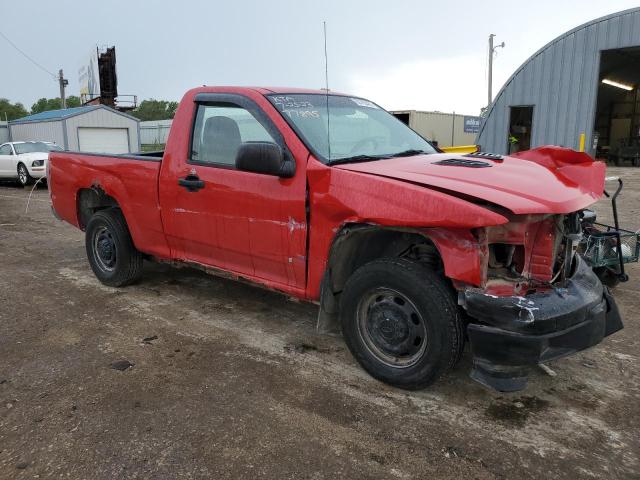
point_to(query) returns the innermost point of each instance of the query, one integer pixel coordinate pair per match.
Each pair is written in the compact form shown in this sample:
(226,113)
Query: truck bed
(132,179)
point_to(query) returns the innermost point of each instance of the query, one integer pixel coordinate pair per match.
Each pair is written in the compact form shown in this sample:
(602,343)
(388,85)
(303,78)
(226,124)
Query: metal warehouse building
(580,90)
(445,129)
(95,128)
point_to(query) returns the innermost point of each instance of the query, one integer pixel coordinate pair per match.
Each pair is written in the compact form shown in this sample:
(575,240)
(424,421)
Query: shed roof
(52,115)
(55,114)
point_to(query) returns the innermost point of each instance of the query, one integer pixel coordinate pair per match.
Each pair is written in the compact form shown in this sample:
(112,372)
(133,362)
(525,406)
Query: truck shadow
(294,324)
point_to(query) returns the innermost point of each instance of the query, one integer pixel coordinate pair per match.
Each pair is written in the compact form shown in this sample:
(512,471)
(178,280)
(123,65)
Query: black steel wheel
(110,250)
(104,249)
(401,322)
(391,327)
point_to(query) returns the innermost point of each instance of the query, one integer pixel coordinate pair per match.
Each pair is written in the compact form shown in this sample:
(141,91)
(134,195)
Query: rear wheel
(401,322)
(111,253)
(23,175)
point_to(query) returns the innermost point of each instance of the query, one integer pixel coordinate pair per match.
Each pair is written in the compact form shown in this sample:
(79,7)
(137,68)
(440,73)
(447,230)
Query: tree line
(147,110)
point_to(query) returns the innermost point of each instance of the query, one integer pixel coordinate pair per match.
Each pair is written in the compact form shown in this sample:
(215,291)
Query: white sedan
(25,161)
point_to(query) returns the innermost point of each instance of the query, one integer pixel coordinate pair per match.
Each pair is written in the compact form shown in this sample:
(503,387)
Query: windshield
(30,147)
(54,148)
(358,130)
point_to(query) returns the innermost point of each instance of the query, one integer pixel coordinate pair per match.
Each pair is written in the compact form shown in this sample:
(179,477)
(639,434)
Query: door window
(5,150)
(218,132)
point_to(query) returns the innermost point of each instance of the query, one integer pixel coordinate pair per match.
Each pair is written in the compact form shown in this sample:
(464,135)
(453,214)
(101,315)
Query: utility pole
(492,50)
(63,83)
(453,128)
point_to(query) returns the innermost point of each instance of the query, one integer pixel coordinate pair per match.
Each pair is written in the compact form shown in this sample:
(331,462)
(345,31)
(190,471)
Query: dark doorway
(616,131)
(520,125)
(403,117)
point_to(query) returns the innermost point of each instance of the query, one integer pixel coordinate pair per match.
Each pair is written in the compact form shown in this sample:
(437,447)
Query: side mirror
(263,157)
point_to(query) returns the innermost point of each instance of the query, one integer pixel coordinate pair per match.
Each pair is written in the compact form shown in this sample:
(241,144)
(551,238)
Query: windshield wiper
(369,158)
(358,158)
(408,153)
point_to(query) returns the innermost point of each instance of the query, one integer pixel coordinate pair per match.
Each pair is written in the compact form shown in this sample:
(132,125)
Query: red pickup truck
(328,198)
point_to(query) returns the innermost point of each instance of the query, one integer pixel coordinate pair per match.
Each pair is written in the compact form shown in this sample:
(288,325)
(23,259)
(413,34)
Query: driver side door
(244,222)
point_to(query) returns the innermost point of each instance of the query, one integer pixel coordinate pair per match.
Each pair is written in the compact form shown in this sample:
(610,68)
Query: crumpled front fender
(340,197)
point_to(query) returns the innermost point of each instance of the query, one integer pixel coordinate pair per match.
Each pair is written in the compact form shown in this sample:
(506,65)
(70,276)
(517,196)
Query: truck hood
(545,180)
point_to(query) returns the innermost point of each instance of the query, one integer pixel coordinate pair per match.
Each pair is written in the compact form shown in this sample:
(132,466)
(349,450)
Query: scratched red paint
(278,232)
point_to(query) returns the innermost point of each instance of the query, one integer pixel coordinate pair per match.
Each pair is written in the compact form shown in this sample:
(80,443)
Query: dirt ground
(233,382)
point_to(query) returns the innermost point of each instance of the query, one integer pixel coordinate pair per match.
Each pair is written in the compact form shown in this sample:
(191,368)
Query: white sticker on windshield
(364,103)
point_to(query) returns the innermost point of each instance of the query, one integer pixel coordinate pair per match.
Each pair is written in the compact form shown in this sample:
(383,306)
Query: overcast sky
(421,55)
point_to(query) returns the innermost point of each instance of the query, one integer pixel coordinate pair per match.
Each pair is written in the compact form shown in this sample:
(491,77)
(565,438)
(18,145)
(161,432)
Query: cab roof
(272,90)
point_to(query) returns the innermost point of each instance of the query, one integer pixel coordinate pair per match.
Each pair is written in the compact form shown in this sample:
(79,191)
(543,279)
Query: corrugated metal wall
(102,118)
(154,132)
(42,131)
(561,82)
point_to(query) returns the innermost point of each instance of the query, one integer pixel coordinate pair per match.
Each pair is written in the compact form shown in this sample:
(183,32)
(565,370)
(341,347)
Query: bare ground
(238,384)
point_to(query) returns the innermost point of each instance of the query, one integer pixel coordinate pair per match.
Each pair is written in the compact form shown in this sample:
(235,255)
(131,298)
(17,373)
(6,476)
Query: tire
(401,322)
(110,250)
(23,175)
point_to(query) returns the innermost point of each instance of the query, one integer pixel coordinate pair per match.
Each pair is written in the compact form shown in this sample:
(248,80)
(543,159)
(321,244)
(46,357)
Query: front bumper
(37,172)
(515,333)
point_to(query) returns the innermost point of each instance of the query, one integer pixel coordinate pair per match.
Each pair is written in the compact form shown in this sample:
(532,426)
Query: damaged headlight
(37,163)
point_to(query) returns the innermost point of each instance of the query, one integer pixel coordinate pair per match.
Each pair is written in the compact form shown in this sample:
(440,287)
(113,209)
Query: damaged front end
(538,300)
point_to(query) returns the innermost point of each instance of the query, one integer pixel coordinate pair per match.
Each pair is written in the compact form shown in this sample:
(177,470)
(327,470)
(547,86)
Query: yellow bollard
(582,137)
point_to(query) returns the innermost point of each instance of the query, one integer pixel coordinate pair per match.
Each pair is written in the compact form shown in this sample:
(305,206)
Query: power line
(27,56)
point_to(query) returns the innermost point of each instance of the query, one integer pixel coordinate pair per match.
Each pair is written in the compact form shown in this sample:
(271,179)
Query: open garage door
(103,140)
(617,122)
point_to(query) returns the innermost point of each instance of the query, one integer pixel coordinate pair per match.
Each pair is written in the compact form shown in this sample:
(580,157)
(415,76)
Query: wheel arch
(89,201)
(356,244)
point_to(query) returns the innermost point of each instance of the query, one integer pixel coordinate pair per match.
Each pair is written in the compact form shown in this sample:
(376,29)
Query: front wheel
(111,253)
(401,323)
(23,175)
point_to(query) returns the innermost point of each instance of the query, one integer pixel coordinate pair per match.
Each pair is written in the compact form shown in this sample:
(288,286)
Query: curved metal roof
(545,79)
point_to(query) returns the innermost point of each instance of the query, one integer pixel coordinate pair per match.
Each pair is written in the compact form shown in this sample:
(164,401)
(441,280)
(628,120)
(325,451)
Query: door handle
(191,182)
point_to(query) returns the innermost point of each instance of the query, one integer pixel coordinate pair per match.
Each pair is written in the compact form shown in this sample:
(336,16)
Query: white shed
(93,128)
